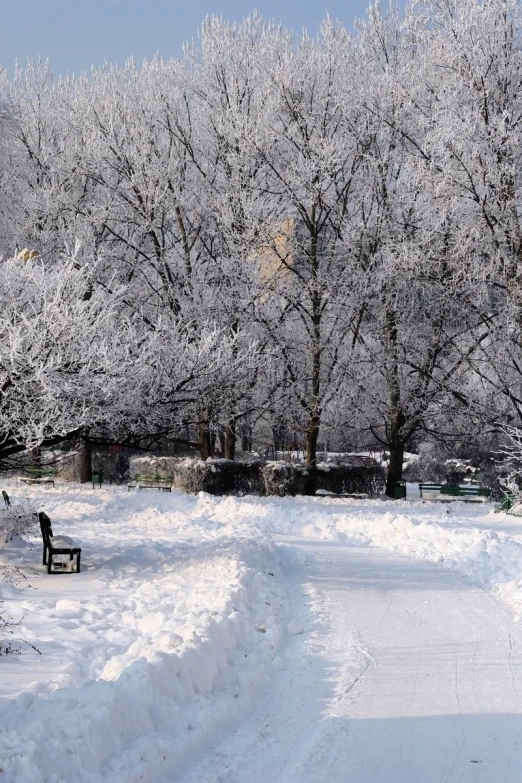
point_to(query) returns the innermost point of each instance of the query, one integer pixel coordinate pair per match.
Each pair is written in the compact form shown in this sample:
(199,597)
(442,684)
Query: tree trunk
(397,418)
(86,462)
(312,436)
(314,421)
(221,439)
(230,439)
(204,440)
(246,437)
(394,467)
(396,446)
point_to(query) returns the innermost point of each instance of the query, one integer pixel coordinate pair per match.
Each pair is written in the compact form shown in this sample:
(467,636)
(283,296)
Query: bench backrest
(450,489)
(41,472)
(465,491)
(147,478)
(45,527)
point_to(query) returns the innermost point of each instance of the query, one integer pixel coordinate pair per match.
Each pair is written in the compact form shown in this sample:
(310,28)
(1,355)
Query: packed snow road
(410,675)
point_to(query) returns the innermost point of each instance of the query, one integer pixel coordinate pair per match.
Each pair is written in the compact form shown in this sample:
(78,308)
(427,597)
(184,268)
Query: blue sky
(74,34)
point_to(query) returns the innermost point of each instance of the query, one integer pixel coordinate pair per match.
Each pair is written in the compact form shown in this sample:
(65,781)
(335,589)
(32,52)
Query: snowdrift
(181,617)
(156,646)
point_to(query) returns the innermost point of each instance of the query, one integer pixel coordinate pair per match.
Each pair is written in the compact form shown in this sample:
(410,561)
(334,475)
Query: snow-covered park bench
(44,475)
(142,481)
(447,492)
(57,545)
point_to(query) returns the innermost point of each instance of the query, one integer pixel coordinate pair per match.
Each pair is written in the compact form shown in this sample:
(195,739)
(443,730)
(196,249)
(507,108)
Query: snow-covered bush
(355,478)
(215,476)
(283,478)
(9,643)
(227,477)
(18,520)
(509,456)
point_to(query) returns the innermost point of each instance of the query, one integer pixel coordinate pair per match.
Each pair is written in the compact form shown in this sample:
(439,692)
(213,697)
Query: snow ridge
(185,645)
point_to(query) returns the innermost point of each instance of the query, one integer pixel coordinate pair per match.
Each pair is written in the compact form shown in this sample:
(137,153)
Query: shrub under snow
(17,520)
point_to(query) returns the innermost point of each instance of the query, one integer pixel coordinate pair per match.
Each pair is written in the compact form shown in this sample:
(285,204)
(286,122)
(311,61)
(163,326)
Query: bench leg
(44,559)
(77,562)
(50,563)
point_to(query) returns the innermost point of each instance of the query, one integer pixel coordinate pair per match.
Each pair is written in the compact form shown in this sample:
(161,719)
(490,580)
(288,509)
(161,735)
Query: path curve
(409,675)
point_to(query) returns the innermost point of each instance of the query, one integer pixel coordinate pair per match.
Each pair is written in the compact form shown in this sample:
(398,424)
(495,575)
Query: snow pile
(487,557)
(426,532)
(175,622)
(179,617)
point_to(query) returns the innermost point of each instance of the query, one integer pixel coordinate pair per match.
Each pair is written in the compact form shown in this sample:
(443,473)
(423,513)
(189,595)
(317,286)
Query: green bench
(453,492)
(507,504)
(142,481)
(44,475)
(430,487)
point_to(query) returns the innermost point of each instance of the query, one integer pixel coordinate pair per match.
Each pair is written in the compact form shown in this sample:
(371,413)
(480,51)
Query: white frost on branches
(293,236)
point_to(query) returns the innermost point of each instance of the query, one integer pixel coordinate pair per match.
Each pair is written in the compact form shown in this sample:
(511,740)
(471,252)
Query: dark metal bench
(56,545)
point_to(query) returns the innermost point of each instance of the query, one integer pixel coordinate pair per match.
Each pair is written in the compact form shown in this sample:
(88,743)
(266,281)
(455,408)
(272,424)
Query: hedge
(226,477)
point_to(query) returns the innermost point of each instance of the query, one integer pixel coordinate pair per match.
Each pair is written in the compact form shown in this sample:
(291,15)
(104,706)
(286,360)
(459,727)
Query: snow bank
(179,617)
(175,622)
(435,533)
(487,557)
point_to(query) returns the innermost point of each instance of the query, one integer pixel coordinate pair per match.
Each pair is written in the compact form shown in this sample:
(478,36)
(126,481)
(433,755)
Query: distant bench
(142,481)
(39,476)
(57,545)
(510,504)
(448,492)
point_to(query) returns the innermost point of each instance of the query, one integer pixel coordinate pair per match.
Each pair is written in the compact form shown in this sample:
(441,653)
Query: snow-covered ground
(265,639)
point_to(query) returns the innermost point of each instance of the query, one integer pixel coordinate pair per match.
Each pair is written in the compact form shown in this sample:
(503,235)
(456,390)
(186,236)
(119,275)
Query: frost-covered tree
(64,353)
(225,75)
(474,66)
(424,304)
(306,238)
(72,361)
(312,149)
